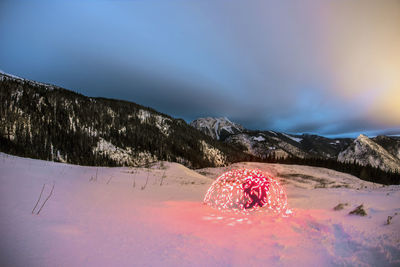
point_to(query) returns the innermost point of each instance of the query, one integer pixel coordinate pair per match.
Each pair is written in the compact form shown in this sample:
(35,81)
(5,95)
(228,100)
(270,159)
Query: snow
(6,76)
(126,156)
(11,75)
(213,154)
(143,115)
(259,138)
(160,121)
(118,154)
(289,148)
(227,125)
(214,126)
(245,140)
(365,151)
(105,221)
(296,139)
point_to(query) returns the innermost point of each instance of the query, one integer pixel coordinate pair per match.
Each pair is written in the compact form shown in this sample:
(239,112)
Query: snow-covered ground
(110,217)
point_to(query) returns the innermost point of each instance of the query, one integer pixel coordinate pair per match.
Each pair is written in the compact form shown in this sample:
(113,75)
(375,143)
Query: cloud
(325,67)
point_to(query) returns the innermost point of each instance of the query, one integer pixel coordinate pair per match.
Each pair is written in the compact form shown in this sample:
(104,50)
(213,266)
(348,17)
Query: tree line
(57,124)
(366,173)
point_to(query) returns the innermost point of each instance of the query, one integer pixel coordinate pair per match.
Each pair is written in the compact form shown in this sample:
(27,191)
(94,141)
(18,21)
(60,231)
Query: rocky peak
(367,152)
(217,128)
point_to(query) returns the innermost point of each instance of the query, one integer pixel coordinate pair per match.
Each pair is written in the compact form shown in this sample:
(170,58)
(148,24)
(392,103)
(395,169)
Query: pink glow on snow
(112,223)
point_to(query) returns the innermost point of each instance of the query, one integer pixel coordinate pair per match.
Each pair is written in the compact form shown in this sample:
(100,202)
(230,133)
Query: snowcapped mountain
(44,121)
(264,145)
(217,128)
(381,151)
(269,143)
(365,151)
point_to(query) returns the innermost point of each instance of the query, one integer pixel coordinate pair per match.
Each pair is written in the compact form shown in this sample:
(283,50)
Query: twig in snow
(155,179)
(109,179)
(162,178)
(51,192)
(134,178)
(147,180)
(94,178)
(40,196)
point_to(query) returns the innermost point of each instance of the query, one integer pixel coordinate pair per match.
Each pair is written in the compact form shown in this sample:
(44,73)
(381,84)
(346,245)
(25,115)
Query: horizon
(331,69)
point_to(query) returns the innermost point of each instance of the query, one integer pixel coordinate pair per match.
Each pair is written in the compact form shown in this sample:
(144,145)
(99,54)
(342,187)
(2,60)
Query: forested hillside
(48,122)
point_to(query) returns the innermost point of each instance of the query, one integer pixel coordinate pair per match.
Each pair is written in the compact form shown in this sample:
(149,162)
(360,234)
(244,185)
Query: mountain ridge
(45,121)
(365,151)
(383,152)
(49,122)
(220,127)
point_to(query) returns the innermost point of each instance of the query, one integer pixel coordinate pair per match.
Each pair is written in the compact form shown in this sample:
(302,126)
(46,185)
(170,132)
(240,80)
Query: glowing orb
(246,191)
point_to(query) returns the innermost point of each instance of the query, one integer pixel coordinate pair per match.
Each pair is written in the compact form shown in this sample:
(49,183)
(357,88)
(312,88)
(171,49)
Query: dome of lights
(246,191)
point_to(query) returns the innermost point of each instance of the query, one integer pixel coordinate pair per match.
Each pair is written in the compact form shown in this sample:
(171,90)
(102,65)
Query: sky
(324,67)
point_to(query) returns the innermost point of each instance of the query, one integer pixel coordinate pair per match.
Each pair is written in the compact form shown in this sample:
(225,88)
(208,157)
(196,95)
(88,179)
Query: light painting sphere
(246,191)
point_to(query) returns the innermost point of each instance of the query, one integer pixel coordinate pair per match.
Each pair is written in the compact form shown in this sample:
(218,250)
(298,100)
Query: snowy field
(112,217)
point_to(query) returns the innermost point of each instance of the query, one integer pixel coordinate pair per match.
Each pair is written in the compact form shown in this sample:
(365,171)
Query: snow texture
(103,217)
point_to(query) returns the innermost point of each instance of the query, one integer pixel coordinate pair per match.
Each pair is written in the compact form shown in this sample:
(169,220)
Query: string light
(247,191)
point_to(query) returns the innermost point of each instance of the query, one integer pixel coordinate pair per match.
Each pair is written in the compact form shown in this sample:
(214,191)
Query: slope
(125,217)
(264,144)
(48,122)
(367,152)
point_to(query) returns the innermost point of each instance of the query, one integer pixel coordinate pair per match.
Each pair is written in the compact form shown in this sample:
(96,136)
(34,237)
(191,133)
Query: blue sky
(326,67)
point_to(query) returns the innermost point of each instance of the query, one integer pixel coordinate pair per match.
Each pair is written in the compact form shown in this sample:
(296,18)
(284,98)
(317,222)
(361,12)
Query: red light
(246,191)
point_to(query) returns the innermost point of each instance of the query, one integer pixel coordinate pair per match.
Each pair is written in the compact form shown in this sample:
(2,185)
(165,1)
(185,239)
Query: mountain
(274,144)
(48,122)
(44,121)
(366,151)
(390,143)
(217,128)
(382,151)
(265,144)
